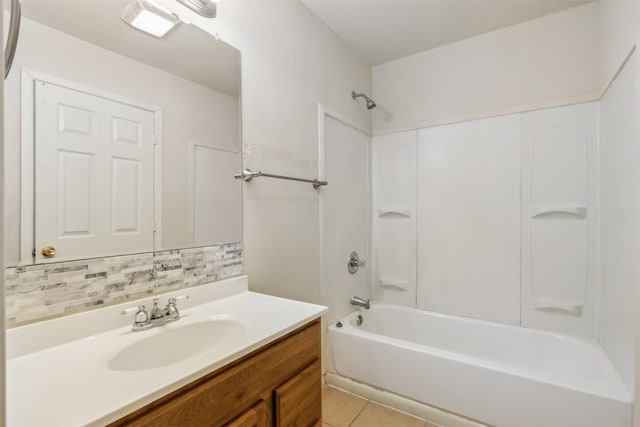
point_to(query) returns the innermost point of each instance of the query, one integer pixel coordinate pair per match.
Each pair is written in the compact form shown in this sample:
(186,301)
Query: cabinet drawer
(298,402)
(256,416)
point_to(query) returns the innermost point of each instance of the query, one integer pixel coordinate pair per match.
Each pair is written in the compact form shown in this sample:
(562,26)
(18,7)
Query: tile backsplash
(48,290)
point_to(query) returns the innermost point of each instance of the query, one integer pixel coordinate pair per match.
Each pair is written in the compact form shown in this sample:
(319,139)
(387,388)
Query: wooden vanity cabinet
(277,385)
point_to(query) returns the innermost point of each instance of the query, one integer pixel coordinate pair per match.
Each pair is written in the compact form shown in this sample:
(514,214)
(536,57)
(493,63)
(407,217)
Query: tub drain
(359,320)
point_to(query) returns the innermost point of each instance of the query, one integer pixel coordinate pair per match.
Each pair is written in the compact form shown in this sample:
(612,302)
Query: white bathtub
(497,374)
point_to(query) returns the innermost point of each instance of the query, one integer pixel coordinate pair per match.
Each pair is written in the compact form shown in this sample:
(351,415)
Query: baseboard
(411,407)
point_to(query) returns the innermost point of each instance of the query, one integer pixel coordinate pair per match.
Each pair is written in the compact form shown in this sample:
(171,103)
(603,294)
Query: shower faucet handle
(354,262)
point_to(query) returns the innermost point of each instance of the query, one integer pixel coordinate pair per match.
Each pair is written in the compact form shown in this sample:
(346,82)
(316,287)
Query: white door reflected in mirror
(93,176)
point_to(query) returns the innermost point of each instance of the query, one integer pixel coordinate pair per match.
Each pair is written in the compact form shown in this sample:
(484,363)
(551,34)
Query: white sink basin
(173,343)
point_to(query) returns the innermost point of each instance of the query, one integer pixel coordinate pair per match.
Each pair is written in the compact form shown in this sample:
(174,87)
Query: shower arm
(355,95)
(370,102)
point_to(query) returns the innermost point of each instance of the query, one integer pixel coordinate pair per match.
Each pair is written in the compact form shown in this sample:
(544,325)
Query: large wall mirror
(118,142)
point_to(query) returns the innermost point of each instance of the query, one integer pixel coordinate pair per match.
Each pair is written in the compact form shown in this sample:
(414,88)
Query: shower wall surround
(505,210)
(619,247)
(45,290)
(468,216)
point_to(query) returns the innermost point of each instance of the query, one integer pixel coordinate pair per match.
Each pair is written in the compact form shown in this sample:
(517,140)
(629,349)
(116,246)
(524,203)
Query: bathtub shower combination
(497,374)
(503,269)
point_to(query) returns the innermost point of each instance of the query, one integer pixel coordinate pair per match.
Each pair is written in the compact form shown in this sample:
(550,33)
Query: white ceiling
(380,31)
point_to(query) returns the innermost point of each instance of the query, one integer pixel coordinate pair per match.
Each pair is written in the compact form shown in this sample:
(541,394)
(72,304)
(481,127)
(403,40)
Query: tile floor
(342,409)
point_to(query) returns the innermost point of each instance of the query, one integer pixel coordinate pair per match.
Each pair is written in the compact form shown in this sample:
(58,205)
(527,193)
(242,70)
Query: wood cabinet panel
(299,400)
(220,397)
(256,416)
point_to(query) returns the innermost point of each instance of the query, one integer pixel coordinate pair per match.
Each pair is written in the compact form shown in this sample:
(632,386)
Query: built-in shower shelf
(558,211)
(394,283)
(557,304)
(394,210)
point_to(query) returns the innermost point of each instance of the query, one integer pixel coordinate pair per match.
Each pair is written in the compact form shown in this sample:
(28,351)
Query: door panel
(345,222)
(211,181)
(125,184)
(75,189)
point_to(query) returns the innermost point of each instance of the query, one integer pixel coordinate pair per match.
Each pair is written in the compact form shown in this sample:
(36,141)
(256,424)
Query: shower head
(370,103)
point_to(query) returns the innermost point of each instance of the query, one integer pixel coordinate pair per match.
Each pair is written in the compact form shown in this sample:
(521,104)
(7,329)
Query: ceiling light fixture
(150,18)
(206,8)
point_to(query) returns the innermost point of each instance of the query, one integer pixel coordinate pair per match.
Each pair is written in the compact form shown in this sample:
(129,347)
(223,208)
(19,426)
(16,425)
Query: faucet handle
(141,314)
(354,262)
(132,310)
(174,300)
(172,309)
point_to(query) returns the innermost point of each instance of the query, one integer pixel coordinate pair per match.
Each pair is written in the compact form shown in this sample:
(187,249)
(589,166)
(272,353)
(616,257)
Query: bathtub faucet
(360,302)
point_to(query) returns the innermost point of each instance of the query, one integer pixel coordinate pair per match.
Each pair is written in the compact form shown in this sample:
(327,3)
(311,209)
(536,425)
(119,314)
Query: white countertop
(58,371)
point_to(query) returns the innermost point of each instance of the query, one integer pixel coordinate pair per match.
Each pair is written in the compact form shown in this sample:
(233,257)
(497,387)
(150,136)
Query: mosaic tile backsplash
(47,290)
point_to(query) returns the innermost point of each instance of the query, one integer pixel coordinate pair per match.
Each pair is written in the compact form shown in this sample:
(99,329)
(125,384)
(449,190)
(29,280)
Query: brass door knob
(48,251)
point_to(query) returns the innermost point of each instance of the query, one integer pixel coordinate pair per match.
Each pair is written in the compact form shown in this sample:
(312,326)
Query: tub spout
(360,302)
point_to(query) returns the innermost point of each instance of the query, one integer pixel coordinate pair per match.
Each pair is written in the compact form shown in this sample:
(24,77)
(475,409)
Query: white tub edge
(411,407)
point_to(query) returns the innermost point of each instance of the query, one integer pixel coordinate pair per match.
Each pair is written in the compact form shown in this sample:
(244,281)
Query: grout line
(360,413)
(369,401)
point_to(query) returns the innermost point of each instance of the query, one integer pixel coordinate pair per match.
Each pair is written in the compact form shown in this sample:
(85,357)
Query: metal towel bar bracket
(247,175)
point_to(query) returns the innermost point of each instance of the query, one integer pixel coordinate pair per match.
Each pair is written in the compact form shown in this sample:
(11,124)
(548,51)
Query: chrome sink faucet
(158,317)
(360,302)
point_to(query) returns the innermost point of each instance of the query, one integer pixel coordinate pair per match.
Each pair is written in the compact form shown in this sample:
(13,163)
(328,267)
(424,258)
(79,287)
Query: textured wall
(290,63)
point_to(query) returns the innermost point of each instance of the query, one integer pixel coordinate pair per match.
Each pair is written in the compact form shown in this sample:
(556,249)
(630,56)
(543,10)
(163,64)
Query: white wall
(535,64)
(290,63)
(620,22)
(620,248)
(190,112)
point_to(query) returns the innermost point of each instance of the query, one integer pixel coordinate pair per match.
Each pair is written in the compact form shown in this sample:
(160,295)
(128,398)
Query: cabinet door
(299,400)
(256,416)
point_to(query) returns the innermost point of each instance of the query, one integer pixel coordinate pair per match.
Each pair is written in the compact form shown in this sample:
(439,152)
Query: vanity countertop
(61,372)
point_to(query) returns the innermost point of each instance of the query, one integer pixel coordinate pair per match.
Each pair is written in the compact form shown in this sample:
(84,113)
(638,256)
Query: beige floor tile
(339,409)
(375,415)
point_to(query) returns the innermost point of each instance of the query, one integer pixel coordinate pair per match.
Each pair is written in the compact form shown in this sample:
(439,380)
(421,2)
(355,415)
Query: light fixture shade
(144,16)
(206,8)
